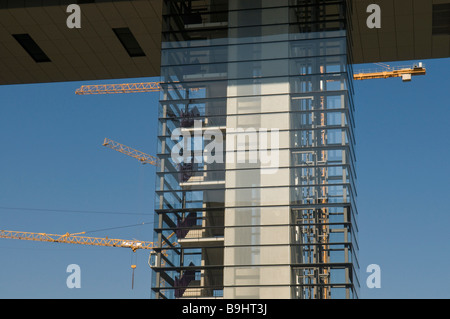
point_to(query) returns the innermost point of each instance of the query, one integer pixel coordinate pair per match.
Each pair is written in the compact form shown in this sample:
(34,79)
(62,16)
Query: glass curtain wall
(256,189)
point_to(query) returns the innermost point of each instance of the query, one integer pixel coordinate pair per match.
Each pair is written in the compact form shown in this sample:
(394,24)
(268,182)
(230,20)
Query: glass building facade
(256,188)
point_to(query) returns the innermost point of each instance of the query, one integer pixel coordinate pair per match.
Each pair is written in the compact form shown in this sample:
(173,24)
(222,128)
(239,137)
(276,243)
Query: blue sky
(52,159)
(402,163)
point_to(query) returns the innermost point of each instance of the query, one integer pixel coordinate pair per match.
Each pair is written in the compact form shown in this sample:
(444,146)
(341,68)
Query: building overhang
(92,52)
(410,30)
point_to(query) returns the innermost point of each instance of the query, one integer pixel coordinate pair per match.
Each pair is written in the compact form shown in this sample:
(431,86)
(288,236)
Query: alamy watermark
(374,279)
(374,19)
(74,279)
(208,145)
(74,19)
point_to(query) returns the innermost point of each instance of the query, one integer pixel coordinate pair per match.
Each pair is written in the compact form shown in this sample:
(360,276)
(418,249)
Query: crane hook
(133,267)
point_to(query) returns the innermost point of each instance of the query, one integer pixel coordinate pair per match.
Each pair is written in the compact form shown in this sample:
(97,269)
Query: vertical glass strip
(256,191)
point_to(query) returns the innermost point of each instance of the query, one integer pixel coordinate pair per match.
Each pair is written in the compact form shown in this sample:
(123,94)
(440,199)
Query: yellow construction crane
(119,88)
(144,87)
(404,72)
(142,157)
(80,240)
(76,239)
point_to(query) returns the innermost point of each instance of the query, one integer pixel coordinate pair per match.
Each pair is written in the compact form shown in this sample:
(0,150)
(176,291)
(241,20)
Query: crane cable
(118,227)
(133,265)
(140,196)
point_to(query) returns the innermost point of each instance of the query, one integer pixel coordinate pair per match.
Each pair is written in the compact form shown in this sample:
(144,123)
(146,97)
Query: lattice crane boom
(143,87)
(142,157)
(119,88)
(404,72)
(76,239)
